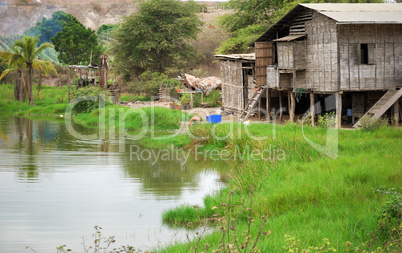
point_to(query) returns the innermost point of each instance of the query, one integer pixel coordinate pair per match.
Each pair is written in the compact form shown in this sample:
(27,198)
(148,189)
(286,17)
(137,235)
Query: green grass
(133,98)
(53,101)
(307,195)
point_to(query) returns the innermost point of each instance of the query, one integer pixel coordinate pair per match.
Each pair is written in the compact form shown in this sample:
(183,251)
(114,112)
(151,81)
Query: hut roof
(343,13)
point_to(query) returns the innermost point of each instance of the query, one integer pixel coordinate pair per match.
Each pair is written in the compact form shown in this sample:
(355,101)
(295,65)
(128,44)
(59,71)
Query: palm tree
(28,54)
(19,92)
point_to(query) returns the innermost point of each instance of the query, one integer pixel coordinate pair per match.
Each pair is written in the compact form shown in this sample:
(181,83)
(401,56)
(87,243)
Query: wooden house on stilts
(345,58)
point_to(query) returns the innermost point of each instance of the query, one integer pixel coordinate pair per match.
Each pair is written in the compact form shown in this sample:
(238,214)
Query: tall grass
(306,195)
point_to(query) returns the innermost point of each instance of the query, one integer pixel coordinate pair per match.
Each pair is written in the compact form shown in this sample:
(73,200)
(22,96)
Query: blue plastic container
(214,118)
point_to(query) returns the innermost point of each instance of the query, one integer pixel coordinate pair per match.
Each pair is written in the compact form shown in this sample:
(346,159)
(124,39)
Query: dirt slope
(16,18)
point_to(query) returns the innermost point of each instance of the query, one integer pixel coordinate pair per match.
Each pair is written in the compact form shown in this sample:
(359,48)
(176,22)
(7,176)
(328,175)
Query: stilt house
(350,52)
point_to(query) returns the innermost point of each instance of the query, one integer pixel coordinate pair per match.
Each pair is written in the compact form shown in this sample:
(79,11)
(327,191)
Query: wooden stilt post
(396,112)
(191,100)
(338,98)
(292,106)
(202,97)
(268,107)
(280,106)
(312,108)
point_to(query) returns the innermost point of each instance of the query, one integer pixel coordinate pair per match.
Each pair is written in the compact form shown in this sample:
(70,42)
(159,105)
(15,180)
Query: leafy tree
(25,54)
(74,44)
(156,38)
(49,28)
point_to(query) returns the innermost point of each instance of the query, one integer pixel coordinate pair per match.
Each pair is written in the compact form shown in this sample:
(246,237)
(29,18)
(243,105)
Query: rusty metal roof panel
(290,37)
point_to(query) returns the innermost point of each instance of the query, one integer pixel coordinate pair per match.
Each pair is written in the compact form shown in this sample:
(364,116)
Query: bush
(328,119)
(148,83)
(213,99)
(369,124)
(91,95)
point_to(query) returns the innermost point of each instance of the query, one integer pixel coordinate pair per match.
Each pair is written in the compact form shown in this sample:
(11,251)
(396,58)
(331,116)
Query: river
(55,188)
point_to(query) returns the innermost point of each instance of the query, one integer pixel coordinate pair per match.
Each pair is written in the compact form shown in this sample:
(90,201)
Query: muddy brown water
(55,188)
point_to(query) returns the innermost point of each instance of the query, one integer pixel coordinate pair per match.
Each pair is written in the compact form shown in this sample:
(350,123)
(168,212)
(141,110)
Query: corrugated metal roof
(360,13)
(290,37)
(248,57)
(341,13)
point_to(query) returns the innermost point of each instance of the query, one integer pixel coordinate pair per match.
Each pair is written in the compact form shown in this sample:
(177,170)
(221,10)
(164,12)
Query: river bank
(305,195)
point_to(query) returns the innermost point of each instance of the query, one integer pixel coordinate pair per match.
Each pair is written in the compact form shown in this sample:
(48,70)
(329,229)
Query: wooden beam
(191,101)
(396,113)
(312,108)
(268,95)
(338,100)
(292,106)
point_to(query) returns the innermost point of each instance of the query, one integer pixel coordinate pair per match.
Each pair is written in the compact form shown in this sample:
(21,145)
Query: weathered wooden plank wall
(384,68)
(321,55)
(232,85)
(263,58)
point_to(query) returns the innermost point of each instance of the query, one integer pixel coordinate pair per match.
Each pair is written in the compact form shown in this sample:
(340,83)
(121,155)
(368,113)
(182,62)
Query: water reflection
(55,188)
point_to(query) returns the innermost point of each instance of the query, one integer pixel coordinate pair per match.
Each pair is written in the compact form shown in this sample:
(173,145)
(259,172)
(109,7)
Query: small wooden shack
(238,74)
(350,51)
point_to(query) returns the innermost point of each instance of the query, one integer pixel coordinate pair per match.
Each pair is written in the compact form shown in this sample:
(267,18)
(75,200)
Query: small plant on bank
(232,239)
(292,246)
(101,244)
(369,124)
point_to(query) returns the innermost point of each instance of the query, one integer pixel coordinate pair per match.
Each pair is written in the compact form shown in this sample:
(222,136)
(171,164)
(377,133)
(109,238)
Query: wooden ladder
(251,104)
(382,105)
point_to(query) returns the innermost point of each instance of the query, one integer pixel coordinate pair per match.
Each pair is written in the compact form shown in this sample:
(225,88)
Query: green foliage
(75,42)
(240,40)
(213,99)
(292,246)
(49,28)
(369,124)
(90,96)
(327,120)
(6,43)
(148,83)
(156,38)
(133,98)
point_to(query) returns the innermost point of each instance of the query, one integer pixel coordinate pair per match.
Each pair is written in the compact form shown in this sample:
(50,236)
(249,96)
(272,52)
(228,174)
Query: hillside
(15,18)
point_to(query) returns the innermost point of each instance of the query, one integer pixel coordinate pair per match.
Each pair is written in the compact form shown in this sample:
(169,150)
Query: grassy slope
(307,195)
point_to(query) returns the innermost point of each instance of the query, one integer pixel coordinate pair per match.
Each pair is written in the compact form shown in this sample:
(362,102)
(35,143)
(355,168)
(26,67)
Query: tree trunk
(29,84)
(16,89)
(20,87)
(39,81)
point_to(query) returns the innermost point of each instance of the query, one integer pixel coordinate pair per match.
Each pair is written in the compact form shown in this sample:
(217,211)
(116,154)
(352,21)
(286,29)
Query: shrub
(213,99)
(91,97)
(328,119)
(369,124)
(148,83)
